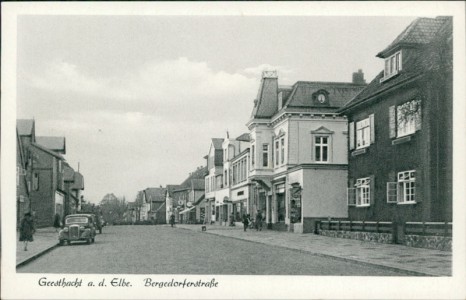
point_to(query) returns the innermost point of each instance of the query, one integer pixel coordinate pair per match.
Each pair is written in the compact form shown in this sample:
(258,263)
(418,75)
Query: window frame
(413,127)
(392,66)
(321,146)
(366,128)
(363,191)
(404,185)
(265,155)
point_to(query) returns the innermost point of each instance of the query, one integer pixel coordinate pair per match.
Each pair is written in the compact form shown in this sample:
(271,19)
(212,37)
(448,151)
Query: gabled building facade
(298,157)
(400,130)
(214,179)
(189,196)
(157,210)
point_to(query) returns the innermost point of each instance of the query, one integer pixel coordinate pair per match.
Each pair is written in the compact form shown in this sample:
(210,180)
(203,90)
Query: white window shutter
(392,121)
(371,118)
(351,135)
(351,196)
(418,118)
(392,192)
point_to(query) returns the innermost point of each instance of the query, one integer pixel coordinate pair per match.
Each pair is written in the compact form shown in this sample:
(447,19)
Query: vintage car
(78,227)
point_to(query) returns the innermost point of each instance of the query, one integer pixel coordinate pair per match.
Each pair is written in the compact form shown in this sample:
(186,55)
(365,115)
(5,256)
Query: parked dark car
(78,227)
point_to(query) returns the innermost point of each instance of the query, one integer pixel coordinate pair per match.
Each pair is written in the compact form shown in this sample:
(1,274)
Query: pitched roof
(68,172)
(339,93)
(48,151)
(198,184)
(155,194)
(199,173)
(78,183)
(420,31)
(55,143)
(25,126)
(431,57)
(244,137)
(171,188)
(217,143)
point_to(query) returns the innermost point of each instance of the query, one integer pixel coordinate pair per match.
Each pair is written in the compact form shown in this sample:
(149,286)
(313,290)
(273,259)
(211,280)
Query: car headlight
(81,227)
(65,229)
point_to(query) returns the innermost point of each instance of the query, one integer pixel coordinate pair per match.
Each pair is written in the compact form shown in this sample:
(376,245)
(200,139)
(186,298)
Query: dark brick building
(400,130)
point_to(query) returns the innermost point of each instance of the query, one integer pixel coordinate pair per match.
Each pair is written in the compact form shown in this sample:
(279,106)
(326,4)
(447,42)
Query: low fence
(365,226)
(429,228)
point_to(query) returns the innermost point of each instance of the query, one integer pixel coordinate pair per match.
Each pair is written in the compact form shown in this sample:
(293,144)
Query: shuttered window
(351,135)
(405,119)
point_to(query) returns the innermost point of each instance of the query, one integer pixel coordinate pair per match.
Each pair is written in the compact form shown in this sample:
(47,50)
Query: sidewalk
(418,261)
(45,239)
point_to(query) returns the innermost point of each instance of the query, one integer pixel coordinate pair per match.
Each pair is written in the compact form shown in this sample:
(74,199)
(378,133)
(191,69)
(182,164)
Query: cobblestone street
(165,250)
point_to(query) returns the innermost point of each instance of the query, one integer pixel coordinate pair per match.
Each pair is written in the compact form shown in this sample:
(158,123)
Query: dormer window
(392,66)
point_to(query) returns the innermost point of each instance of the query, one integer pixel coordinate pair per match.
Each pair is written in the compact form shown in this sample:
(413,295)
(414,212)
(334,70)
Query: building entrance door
(281,210)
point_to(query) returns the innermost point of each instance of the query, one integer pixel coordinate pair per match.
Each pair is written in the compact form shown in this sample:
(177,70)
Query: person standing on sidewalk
(172,220)
(57,222)
(245,221)
(26,230)
(259,221)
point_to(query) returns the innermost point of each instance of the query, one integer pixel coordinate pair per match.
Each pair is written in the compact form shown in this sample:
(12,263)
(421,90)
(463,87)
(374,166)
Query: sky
(138,98)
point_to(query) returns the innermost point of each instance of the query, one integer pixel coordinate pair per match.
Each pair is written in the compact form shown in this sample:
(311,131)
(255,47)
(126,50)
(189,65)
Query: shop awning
(187,210)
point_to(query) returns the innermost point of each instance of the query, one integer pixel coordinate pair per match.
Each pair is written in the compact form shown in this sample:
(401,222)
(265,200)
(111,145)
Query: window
(253,156)
(59,166)
(265,155)
(363,133)
(393,66)
(282,154)
(404,190)
(363,191)
(406,119)
(35,182)
(407,186)
(321,148)
(277,153)
(225,178)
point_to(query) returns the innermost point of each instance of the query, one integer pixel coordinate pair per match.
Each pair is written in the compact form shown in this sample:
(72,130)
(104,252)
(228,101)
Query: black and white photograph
(221,150)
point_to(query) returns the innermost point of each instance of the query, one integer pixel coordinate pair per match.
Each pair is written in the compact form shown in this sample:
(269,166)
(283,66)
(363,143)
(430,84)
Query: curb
(396,269)
(35,256)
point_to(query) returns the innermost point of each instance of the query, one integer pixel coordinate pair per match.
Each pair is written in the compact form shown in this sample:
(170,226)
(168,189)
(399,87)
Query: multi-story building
(188,198)
(240,188)
(400,130)
(298,151)
(155,197)
(170,201)
(214,178)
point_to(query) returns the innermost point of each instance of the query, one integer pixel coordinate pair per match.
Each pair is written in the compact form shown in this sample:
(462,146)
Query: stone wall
(431,242)
(385,238)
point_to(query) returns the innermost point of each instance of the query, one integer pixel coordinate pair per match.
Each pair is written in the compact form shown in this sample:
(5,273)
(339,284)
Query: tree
(113,208)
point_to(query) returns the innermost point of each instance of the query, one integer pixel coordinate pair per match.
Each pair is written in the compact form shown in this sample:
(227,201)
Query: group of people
(257,222)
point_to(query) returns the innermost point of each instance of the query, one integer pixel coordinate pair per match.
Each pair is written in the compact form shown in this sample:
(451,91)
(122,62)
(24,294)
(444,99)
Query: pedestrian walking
(245,221)
(259,221)
(172,220)
(57,222)
(26,230)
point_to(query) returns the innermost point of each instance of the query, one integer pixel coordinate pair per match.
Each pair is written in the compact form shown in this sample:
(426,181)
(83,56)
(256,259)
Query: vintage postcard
(204,150)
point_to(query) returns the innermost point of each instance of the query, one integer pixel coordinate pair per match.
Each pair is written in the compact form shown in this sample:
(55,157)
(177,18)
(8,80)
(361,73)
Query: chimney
(358,78)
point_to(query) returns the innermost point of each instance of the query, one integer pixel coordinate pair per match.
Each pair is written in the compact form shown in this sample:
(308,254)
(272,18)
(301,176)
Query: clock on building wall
(320,97)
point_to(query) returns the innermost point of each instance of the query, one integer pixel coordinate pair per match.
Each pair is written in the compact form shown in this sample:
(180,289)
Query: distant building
(171,206)
(400,130)
(213,178)
(22,181)
(158,209)
(189,196)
